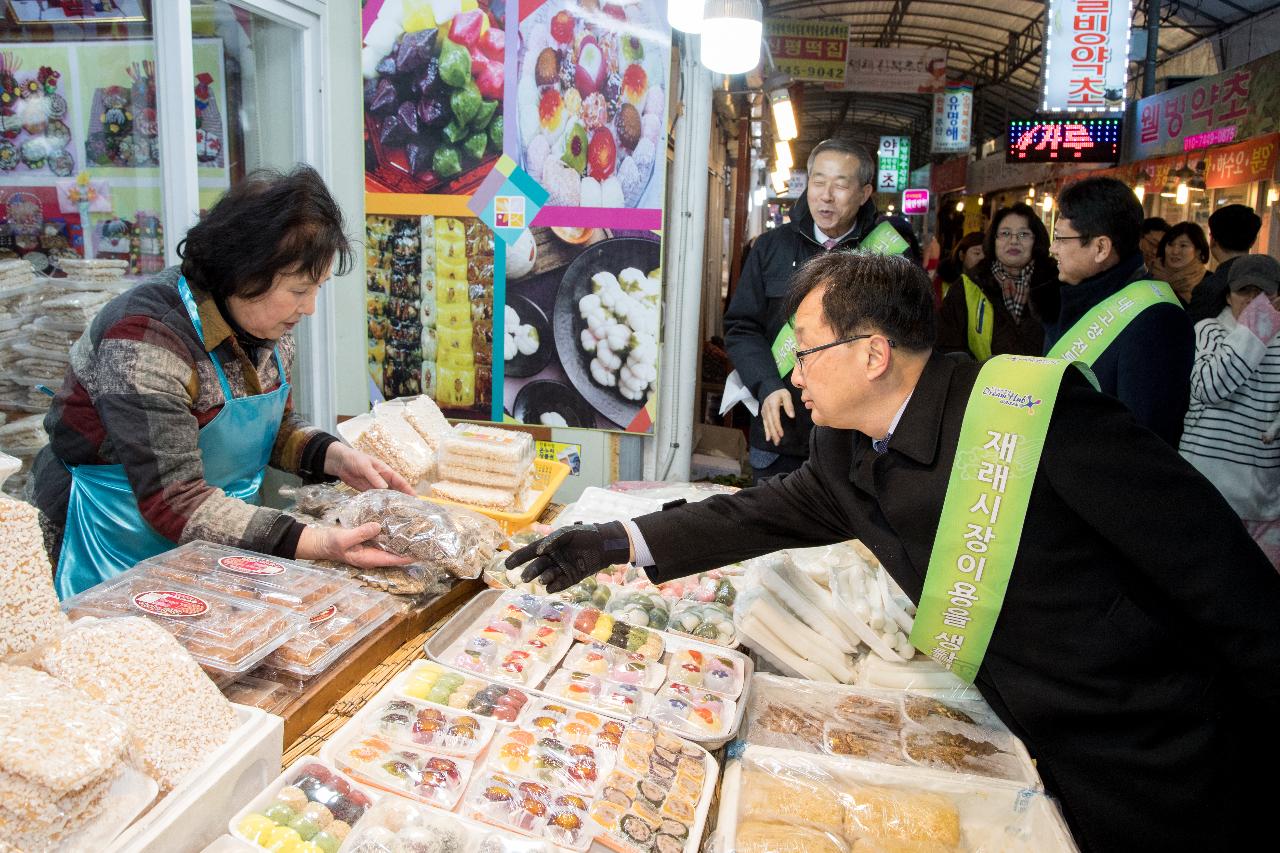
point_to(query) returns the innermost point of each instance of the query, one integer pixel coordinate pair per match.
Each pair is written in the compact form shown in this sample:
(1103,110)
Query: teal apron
(106,533)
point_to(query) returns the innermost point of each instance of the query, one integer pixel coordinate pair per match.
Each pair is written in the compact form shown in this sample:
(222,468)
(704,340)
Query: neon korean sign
(1094,140)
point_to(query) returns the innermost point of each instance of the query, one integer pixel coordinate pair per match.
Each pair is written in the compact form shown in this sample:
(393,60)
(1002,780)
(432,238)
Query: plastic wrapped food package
(712,621)
(395,824)
(222,632)
(424,416)
(244,574)
(531,808)
(74,310)
(694,712)
(573,726)
(416,724)
(457,540)
(591,624)
(611,697)
(651,799)
(394,442)
(417,773)
(889,727)
(271,696)
(712,673)
(640,607)
(431,682)
(176,714)
(24,437)
(470,450)
(60,752)
(614,664)
(539,755)
(29,614)
(415,580)
(783,801)
(518,640)
(314,804)
(334,630)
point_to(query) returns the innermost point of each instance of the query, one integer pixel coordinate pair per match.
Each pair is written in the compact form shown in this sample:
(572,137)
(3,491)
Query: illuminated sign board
(915,202)
(1086,55)
(1093,140)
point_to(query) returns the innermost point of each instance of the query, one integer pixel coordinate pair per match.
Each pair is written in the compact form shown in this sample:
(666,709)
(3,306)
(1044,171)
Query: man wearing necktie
(837,211)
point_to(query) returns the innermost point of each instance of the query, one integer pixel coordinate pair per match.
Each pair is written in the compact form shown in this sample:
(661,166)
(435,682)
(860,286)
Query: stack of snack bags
(22,439)
(405,434)
(29,614)
(18,298)
(60,753)
(486,467)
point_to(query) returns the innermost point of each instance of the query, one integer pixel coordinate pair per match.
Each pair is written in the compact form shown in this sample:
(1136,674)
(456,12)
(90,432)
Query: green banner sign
(1001,439)
(884,239)
(1097,330)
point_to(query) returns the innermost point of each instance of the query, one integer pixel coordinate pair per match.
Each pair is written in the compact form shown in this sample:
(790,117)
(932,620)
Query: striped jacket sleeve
(1224,361)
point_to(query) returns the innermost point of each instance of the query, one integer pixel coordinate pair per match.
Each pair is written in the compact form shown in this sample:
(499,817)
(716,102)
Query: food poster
(590,101)
(433,88)
(33,226)
(36,136)
(580,336)
(429,300)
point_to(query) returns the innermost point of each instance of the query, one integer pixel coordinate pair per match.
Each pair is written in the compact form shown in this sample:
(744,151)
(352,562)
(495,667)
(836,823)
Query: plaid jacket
(139,388)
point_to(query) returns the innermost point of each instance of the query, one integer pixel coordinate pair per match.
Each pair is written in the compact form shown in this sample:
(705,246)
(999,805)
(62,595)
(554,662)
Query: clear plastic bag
(60,752)
(457,540)
(29,614)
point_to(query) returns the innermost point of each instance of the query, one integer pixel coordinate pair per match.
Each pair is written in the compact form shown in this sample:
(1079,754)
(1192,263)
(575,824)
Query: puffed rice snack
(29,614)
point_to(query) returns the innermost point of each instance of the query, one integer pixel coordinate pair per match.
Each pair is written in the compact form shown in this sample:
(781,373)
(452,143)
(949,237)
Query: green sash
(1098,329)
(884,239)
(1001,439)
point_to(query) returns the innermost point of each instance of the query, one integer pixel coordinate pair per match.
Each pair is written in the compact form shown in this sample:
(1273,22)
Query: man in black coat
(1233,229)
(1095,242)
(837,211)
(1137,649)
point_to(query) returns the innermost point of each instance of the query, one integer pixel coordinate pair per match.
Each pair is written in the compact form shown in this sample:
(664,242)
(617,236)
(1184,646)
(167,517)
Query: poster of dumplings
(433,85)
(580,328)
(429,300)
(590,101)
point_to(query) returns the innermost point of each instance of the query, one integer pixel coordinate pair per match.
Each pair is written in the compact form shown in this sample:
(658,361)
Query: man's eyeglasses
(1020,236)
(1083,238)
(802,354)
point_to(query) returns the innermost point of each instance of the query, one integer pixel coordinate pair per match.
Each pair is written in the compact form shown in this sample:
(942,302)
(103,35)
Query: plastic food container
(398,824)
(711,673)
(270,696)
(592,625)
(427,776)
(695,713)
(530,808)
(931,809)
(613,664)
(548,718)
(518,639)
(609,697)
(310,802)
(303,589)
(333,631)
(222,632)
(439,685)
(418,724)
(574,767)
(658,795)
(548,475)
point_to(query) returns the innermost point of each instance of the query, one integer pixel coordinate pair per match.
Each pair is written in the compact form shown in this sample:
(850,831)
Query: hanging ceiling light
(960,206)
(981,200)
(1273,195)
(685,16)
(1046,203)
(783,150)
(731,32)
(780,178)
(1170,188)
(1140,191)
(1031,192)
(1182,193)
(784,115)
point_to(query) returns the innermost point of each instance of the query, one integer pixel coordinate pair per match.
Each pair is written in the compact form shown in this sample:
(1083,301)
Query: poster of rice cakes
(430,301)
(591,101)
(580,328)
(433,86)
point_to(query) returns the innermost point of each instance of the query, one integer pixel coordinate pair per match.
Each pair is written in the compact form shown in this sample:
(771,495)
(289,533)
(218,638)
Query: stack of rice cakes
(486,467)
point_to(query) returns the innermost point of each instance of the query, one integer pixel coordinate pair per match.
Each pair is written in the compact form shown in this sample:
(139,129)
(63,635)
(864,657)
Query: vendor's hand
(361,471)
(347,545)
(771,413)
(572,554)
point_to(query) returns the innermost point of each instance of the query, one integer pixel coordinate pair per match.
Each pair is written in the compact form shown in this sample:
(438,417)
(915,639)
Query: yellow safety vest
(981,319)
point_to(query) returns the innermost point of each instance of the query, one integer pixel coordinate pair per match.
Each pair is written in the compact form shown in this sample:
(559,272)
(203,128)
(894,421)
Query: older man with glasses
(1129,632)
(1130,330)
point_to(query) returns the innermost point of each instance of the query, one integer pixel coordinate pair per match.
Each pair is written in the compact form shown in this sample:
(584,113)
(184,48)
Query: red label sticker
(251,565)
(325,615)
(167,602)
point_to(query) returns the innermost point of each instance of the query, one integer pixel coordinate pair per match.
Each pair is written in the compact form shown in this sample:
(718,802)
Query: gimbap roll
(652,792)
(670,826)
(663,843)
(646,811)
(635,828)
(662,773)
(618,796)
(667,756)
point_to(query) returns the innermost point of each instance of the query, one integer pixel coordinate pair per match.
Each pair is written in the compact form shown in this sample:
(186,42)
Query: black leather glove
(572,554)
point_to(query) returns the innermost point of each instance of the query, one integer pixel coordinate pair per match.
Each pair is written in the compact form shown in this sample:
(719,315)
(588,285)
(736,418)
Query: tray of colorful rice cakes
(399,825)
(420,773)
(658,794)
(440,685)
(510,637)
(310,808)
(566,748)
(418,724)
(694,687)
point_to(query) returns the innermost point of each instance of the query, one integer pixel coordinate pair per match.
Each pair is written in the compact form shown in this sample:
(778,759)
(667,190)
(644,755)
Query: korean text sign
(895,163)
(1086,55)
(952,119)
(808,50)
(894,69)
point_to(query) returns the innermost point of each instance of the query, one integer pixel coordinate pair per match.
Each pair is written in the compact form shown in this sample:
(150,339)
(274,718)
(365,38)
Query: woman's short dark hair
(1039,234)
(269,223)
(967,242)
(1104,207)
(869,292)
(1192,232)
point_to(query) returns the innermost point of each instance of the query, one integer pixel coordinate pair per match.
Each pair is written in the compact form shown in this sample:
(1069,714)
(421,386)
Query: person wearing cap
(1232,423)
(1233,229)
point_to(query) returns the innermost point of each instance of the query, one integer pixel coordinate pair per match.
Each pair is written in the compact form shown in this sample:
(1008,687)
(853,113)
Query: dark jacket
(1210,295)
(1138,610)
(757,312)
(1008,336)
(1148,368)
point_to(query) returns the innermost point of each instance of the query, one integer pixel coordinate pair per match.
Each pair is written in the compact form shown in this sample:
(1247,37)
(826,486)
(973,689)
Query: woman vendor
(177,398)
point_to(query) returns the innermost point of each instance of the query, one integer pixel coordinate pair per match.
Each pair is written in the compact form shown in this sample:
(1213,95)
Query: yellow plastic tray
(548,474)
